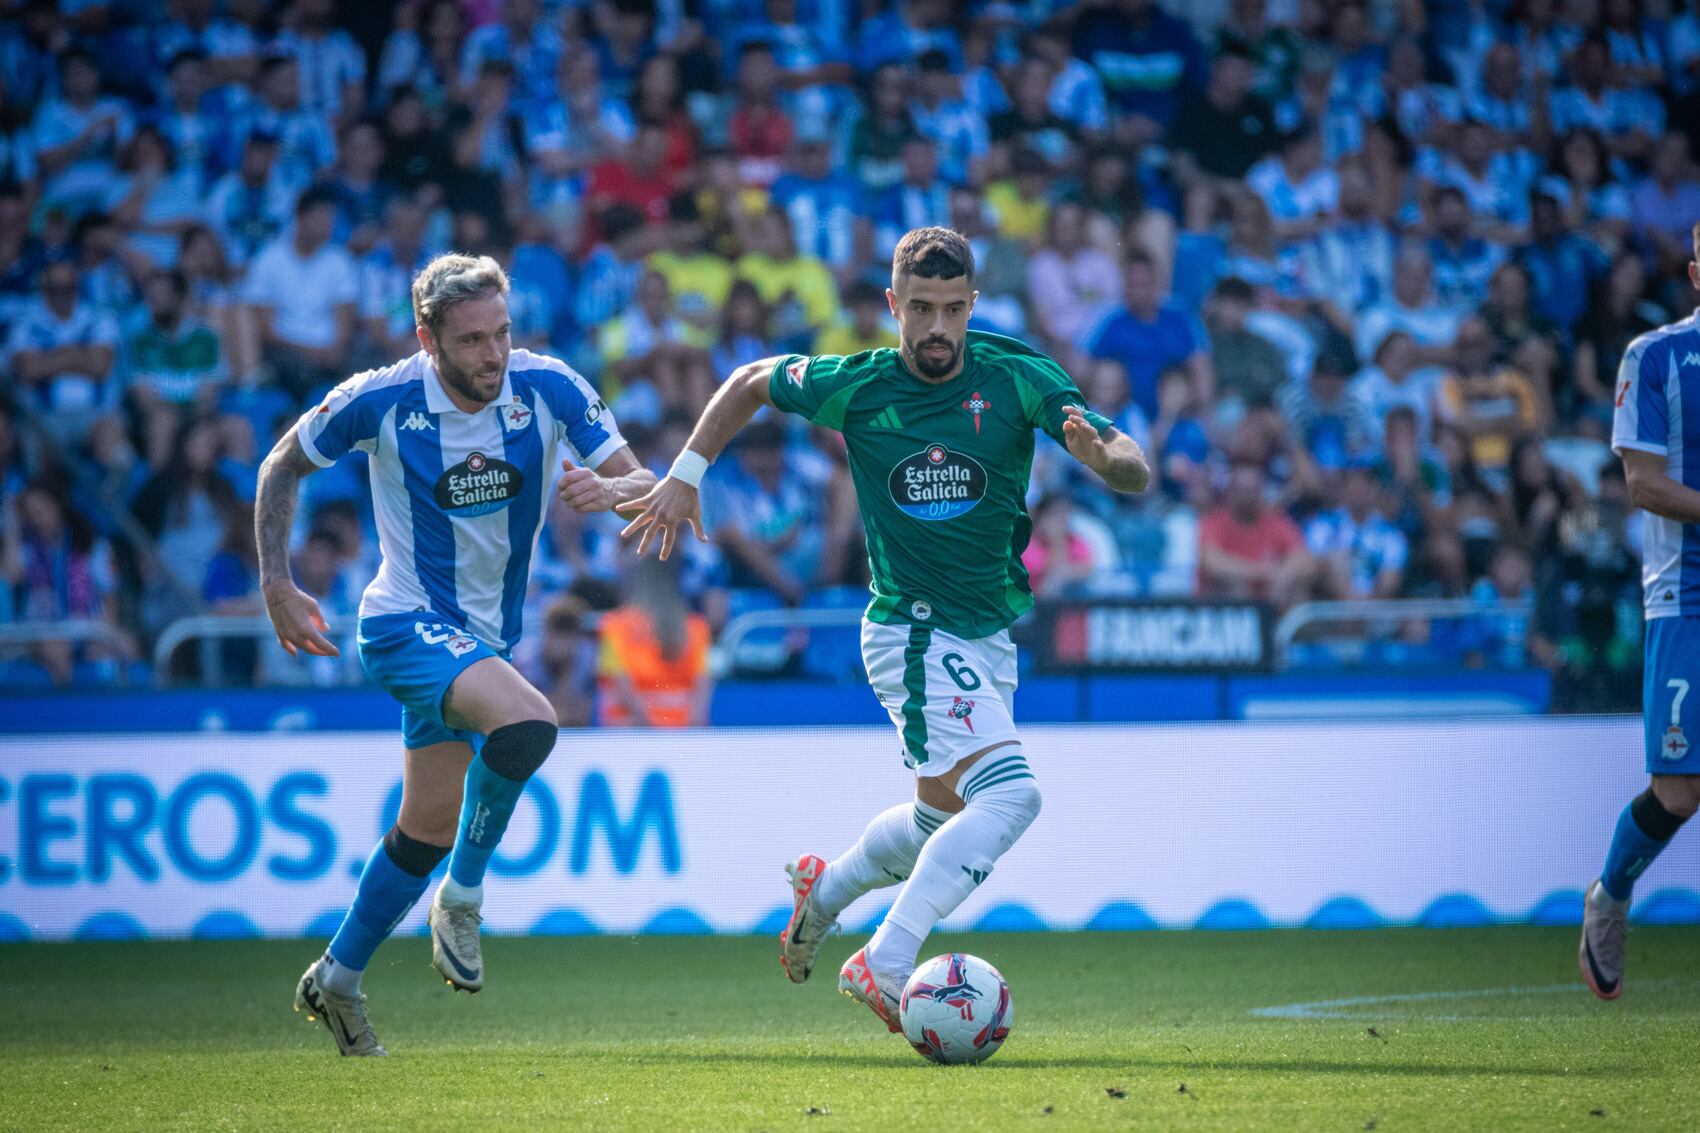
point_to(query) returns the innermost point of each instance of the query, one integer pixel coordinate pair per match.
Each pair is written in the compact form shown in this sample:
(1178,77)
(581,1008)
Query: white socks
(1003,801)
(884,855)
(339,979)
(454,893)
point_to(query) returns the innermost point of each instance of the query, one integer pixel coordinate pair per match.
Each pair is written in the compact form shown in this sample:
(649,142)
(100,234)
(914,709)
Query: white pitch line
(1337,1008)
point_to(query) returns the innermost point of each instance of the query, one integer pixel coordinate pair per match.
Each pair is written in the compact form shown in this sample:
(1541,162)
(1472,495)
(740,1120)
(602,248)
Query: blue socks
(1643,829)
(494,782)
(394,878)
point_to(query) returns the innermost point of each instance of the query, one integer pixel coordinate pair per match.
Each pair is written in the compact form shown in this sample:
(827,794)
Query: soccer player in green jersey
(940,439)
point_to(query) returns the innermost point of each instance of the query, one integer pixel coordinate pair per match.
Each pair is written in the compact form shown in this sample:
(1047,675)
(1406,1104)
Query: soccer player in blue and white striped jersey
(463,439)
(1657,432)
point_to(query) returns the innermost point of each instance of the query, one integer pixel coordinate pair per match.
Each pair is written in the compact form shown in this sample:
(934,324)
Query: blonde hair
(454,278)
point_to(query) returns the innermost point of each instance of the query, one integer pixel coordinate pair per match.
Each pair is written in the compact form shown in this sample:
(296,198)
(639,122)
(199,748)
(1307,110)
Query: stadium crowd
(1358,275)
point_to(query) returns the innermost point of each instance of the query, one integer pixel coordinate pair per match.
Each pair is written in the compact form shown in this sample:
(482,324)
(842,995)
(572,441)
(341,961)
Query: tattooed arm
(294,614)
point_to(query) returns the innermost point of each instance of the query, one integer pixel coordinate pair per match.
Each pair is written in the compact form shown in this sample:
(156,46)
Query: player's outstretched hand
(1084,442)
(297,620)
(662,511)
(583,490)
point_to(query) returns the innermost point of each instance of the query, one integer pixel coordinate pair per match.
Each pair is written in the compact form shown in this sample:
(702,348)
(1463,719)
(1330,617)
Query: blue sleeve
(348,418)
(582,418)
(1640,417)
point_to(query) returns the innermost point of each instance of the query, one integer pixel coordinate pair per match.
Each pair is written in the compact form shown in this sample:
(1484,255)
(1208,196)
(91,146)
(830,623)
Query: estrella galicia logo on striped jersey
(937,483)
(479,485)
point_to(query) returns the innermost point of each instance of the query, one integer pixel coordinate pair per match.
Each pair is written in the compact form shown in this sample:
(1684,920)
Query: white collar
(437,398)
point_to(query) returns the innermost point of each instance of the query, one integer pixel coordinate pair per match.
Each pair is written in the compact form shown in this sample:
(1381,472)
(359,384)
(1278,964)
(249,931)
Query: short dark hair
(316,197)
(1233,288)
(933,253)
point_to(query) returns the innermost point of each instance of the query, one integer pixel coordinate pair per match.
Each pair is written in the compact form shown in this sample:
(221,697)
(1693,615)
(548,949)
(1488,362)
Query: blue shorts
(415,658)
(1672,662)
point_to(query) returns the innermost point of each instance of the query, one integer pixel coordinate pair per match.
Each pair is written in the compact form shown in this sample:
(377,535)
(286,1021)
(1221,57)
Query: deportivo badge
(515,417)
(1675,744)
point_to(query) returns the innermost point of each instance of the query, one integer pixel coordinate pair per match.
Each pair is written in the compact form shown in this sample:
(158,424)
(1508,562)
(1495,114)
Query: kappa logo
(1691,359)
(795,371)
(515,417)
(417,422)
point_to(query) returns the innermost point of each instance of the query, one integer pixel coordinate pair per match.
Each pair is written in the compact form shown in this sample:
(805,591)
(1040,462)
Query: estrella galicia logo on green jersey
(937,483)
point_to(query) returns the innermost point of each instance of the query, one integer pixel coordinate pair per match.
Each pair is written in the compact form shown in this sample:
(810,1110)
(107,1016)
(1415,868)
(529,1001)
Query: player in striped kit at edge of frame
(1656,430)
(940,440)
(463,438)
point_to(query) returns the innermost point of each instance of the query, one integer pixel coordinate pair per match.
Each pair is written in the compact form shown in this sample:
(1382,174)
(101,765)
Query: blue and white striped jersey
(1656,413)
(460,497)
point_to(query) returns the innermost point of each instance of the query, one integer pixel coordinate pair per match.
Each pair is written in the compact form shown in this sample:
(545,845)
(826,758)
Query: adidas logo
(978,875)
(417,421)
(887,418)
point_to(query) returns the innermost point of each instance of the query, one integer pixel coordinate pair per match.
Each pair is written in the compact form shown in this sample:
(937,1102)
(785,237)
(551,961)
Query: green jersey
(941,472)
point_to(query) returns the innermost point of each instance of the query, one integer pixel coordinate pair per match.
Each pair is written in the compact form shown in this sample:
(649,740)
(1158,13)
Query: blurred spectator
(305,137)
(77,136)
(422,53)
(698,279)
(1178,436)
(1149,62)
(1325,417)
(1411,308)
(1624,116)
(1068,280)
(823,208)
(1521,336)
(918,198)
(251,204)
(1350,262)
(1489,402)
(1537,496)
(318,570)
(653,665)
(1501,639)
(61,352)
(1363,555)
(1230,129)
(566,664)
(64,573)
(612,270)
(1248,368)
(759,131)
(303,289)
(881,132)
(1058,559)
(155,201)
(743,331)
(332,65)
(174,362)
(21,255)
(1032,123)
(1296,185)
(869,327)
(417,155)
(1562,265)
(941,113)
(386,281)
(1396,378)
(764,510)
(1616,315)
(1247,549)
(522,40)
(799,289)
(1147,337)
(361,193)
(1463,262)
(231,588)
(646,347)
(1667,200)
(1018,205)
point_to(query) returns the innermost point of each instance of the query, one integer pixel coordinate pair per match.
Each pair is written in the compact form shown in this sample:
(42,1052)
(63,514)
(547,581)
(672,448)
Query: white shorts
(949,697)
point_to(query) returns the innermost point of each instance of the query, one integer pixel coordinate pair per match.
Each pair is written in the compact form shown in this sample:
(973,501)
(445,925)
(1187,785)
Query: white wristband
(688,468)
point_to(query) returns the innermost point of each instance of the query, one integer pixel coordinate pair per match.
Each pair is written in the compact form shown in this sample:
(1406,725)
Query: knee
(1678,794)
(516,751)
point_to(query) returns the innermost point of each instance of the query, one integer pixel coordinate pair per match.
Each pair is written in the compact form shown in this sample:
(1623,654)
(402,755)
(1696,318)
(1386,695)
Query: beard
(927,366)
(466,383)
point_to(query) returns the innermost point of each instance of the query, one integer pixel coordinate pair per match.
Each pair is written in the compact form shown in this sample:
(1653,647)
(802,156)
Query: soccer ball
(956,1009)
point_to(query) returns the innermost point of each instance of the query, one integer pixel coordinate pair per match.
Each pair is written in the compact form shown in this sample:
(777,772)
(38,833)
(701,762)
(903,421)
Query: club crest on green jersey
(937,483)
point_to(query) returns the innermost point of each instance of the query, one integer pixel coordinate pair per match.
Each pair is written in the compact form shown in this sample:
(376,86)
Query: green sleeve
(817,388)
(1045,389)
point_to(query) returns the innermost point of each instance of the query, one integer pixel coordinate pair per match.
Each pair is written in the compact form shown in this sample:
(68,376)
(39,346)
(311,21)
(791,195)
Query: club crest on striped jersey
(479,485)
(516,416)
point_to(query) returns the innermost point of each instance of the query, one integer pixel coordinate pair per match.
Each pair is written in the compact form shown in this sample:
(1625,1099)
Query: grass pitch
(1383,1030)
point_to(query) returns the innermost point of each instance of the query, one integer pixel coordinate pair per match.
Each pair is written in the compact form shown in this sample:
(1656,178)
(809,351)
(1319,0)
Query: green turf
(695,1033)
